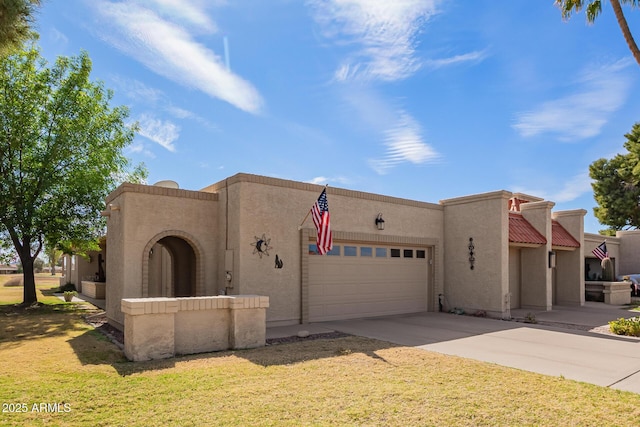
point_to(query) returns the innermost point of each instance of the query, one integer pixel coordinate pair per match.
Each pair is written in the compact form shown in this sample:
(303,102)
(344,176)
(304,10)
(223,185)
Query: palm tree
(593,9)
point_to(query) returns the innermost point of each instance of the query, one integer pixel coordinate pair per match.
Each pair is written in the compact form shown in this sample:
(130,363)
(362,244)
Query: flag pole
(305,218)
(309,212)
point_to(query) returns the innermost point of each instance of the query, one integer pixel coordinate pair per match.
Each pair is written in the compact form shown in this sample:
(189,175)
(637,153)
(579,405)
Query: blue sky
(425,100)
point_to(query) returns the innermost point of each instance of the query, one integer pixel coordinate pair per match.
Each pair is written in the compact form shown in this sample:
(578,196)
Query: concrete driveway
(564,342)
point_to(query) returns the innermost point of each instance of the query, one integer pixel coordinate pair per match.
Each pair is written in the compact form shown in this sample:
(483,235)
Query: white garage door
(359,280)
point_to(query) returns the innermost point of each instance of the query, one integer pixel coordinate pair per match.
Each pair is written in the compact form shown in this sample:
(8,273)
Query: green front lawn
(57,370)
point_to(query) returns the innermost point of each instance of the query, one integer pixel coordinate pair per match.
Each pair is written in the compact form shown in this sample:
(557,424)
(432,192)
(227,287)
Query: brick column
(149,328)
(248,321)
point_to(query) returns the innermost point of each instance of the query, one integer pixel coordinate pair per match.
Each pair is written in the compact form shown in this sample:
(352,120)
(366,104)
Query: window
(313,250)
(366,251)
(335,251)
(395,253)
(420,253)
(408,253)
(381,252)
(350,251)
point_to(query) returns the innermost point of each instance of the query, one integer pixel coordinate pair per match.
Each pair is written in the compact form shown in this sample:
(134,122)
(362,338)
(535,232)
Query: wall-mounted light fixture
(472,258)
(380,222)
(552,259)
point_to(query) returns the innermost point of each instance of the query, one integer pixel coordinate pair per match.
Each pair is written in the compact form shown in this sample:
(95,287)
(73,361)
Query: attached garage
(364,280)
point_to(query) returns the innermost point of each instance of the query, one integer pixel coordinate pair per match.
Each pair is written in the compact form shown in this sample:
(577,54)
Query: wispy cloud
(58,36)
(572,189)
(161,132)
(167,47)
(141,93)
(404,143)
(383,30)
(323,180)
(139,148)
(191,13)
(471,57)
(582,114)
(138,91)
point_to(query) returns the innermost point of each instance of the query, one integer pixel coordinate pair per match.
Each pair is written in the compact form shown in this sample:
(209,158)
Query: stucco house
(245,235)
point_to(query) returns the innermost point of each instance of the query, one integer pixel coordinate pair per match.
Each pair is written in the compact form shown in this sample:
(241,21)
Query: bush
(68,295)
(629,327)
(68,287)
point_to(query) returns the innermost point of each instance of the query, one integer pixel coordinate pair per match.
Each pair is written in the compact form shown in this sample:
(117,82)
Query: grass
(50,355)
(11,288)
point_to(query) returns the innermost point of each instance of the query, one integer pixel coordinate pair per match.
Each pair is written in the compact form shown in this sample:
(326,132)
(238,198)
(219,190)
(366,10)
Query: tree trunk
(622,22)
(29,282)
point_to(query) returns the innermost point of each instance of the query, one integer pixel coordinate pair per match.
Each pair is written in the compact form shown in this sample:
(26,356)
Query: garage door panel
(338,310)
(365,290)
(343,287)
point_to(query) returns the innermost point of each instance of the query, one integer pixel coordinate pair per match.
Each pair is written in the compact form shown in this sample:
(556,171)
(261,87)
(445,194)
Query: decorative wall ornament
(279,262)
(379,222)
(261,245)
(472,248)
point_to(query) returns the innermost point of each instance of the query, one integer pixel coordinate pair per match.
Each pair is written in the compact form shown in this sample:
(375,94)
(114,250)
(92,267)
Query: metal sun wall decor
(261,245)
(472,258)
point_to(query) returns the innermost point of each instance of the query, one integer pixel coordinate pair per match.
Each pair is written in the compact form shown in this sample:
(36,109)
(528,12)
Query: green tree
(60,153)
(53,256)
(593,9)
(616,186)
(38,265)
(16,20)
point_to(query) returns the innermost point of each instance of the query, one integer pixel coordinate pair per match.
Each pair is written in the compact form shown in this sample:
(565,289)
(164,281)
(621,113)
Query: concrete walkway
(568,341)
(100,303)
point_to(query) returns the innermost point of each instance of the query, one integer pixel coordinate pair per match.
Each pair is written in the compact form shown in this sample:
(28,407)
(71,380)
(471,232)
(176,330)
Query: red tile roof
(521,231)
(561,237)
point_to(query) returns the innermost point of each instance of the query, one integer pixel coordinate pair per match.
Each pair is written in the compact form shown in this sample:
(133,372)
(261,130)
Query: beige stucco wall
(159,328)
(484,218)
(140,215)
(569,271)
(77,268)
(515,281)
(223,221)
(536,291)
(629,262)
(260,205)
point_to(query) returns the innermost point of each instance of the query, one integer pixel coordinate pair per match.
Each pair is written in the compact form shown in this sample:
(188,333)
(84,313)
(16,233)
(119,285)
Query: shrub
(629,327)
(68,287)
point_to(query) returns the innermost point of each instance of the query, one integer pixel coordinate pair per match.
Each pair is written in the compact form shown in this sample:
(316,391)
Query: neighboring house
(8,269)
(489,252)
(76,269)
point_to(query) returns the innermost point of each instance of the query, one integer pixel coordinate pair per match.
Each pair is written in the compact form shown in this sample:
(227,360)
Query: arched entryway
(172,266)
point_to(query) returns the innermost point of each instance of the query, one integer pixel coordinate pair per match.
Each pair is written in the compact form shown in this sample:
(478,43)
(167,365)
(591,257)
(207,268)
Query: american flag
(601,251)
(320,215)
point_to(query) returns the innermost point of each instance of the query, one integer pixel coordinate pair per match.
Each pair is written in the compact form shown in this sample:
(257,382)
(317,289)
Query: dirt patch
(295,338)
(99,321)
(15,281)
